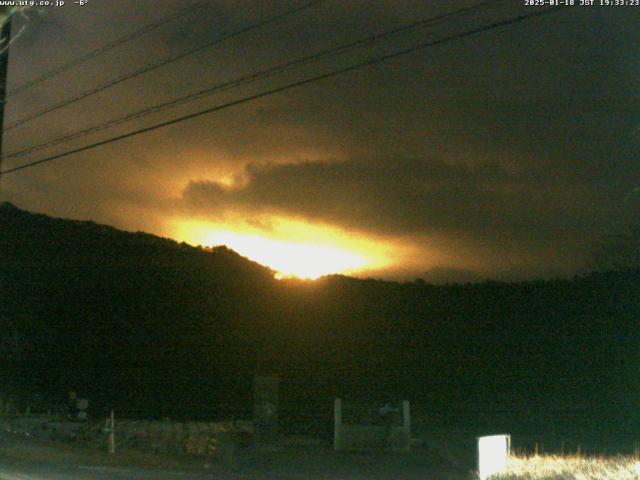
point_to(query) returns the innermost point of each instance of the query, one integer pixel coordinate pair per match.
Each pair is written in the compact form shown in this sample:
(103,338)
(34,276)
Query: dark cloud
(412,197)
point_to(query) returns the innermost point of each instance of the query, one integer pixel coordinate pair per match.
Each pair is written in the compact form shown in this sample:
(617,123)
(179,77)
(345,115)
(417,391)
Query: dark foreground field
(23,458)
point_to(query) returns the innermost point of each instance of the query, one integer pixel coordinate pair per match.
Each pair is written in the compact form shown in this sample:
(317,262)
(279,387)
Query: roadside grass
(570,467)
(19,448)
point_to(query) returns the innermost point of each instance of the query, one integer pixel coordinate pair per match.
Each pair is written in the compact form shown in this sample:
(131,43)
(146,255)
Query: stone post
(265,409)
(337,424)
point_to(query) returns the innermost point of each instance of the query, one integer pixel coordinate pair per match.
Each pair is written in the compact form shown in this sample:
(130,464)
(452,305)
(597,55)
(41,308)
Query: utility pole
(5,41)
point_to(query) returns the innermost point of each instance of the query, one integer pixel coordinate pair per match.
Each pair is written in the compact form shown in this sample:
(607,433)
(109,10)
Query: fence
(387,427)
(192,438)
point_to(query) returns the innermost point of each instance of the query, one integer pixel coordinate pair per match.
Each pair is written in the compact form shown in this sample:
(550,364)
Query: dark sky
(503,154)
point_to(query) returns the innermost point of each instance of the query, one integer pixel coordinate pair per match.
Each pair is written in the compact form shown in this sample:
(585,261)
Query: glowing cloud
(288,258)
(292,248)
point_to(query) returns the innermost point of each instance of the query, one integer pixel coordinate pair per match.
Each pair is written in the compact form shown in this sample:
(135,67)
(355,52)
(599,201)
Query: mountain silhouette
(153,327)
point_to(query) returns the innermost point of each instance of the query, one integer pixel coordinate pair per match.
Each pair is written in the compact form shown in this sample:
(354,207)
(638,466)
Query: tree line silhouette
(156,328)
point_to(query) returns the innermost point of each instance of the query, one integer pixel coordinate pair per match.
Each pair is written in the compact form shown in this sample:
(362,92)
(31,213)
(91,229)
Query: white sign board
(493,454)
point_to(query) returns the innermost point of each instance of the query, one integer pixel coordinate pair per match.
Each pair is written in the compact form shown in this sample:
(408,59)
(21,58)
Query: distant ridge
(152,327)
(42,233)
(8,207)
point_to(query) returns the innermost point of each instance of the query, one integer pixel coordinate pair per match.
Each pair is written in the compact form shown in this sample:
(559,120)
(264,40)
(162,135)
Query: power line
(165,61)
(107,47)
(369,62)
(247,79)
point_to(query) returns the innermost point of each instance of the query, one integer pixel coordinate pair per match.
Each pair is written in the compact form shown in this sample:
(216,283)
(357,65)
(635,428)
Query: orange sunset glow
(290,247)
